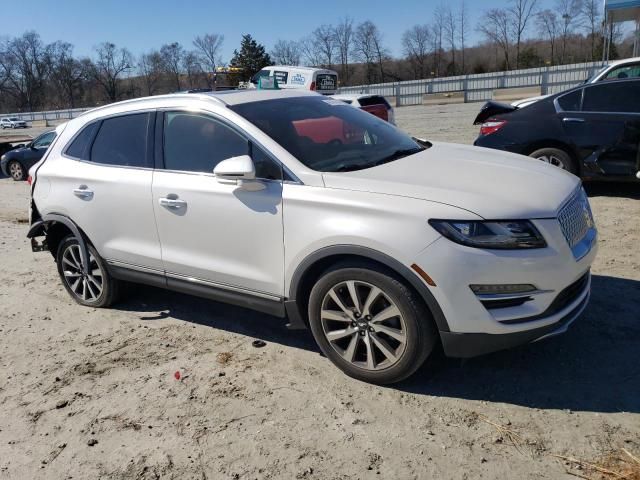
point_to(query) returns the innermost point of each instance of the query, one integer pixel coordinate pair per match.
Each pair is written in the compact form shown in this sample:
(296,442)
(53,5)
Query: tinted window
(197,143)
(45,140)
(281,77)
(621,97)
(265,166)
(325,81)
(328,135)
(122,141)
(571,101)
(80,146)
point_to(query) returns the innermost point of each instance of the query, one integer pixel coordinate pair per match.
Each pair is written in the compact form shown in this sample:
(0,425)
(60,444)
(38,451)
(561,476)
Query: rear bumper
(466,345)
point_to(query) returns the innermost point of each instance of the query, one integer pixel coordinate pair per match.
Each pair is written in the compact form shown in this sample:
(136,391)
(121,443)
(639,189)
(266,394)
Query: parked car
(374,104)
(381,246)
(17,162)
(592,131)
(318,80)
(620,70)
(12,122)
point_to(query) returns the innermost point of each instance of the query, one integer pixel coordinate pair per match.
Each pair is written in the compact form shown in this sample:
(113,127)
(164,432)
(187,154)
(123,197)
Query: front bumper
(562,282)
(466,345)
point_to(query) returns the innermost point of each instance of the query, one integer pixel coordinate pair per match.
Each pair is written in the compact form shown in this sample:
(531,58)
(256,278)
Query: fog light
(507,289)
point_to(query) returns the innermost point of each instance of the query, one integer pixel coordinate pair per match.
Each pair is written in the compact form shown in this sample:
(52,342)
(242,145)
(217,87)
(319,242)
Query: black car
(592,131)
(17,162)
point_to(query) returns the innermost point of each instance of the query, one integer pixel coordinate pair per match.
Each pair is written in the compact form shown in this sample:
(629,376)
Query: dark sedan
(17,162)
(593,131)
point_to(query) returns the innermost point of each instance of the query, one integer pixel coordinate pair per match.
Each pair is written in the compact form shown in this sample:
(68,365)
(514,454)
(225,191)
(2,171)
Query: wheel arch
(308,271)
(560,145)
(55,227)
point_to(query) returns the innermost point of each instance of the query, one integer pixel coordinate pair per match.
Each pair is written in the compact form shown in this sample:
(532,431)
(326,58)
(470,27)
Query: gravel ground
(88,393)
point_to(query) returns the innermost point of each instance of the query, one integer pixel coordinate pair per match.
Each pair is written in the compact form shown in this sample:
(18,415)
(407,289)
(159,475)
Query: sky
(141,25)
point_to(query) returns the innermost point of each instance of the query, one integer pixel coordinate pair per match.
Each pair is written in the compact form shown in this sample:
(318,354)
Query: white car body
(610,71)
(257,241)
(321,80)
(12,122)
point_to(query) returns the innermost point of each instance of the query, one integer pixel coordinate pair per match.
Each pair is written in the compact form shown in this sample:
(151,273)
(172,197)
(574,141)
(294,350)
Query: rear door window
(618,97)
(122,141)
(326,81)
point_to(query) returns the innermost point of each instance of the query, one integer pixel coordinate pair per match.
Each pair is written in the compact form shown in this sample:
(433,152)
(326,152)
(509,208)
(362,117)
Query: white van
(307,78)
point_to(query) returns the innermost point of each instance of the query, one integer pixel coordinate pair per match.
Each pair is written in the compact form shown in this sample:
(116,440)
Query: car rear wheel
(96,288)
(557,158)
(16,170)
(370,325)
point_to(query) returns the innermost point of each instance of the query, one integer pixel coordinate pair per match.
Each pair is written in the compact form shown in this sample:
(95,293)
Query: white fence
(480,87)
(476,88)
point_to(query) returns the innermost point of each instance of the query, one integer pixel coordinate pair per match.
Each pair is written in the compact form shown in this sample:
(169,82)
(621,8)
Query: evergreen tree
(251,58)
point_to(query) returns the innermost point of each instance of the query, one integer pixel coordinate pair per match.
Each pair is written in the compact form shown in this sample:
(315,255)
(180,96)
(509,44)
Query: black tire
(16,171)
(556,157)
(110,287)
(415,321)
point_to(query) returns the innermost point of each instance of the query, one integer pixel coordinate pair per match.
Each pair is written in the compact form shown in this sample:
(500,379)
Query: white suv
(298,205)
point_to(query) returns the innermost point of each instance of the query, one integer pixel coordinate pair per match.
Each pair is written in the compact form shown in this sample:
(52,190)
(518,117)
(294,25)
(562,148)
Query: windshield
(328,135)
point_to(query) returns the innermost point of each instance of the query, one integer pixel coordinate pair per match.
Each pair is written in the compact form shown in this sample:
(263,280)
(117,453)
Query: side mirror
(239,171)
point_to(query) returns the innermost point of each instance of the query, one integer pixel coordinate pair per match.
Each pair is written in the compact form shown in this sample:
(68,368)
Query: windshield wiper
(404,152)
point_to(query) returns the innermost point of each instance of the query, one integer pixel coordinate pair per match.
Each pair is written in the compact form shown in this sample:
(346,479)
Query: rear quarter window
(80,147)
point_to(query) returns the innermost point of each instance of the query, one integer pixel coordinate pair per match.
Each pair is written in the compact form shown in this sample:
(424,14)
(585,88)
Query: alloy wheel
(553,160)
(363,325)
(87,287)
(15,170)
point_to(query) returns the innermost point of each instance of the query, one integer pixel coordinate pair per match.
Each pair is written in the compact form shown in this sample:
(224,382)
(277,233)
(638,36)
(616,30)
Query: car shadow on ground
(595,366)
(613,189)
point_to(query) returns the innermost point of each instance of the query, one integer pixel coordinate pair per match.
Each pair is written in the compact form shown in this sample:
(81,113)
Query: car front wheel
(370,325)
(96,288)
(557,158)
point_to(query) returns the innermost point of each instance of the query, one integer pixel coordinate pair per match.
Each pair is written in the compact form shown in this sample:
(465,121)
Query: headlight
(504,235)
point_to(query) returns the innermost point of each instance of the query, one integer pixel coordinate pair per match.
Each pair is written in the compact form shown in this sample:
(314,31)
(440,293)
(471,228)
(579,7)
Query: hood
(490,183)
(528,101)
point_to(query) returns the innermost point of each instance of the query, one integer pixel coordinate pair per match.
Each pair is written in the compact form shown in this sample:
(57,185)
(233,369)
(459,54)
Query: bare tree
(191,66)
(569,12)
(417,43)
(343,40)
(368,48)
(495,25)
(437,28)
(591,18)
(549,27)
(208,49)
(172,58)
(325,38)
(26,69)
(463,21)
(310,52)
(286,52)
(67,73)
(150,68)
(450,29)
(110,65)
(521,12)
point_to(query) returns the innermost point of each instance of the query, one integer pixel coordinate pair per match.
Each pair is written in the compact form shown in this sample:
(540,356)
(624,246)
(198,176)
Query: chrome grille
(575,217)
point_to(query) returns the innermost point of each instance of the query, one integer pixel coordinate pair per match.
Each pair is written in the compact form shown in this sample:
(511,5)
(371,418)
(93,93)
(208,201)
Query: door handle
(573,120)
(172,202)
(83,192)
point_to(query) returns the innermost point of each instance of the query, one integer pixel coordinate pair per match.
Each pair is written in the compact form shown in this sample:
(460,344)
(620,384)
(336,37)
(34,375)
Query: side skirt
(199,289)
